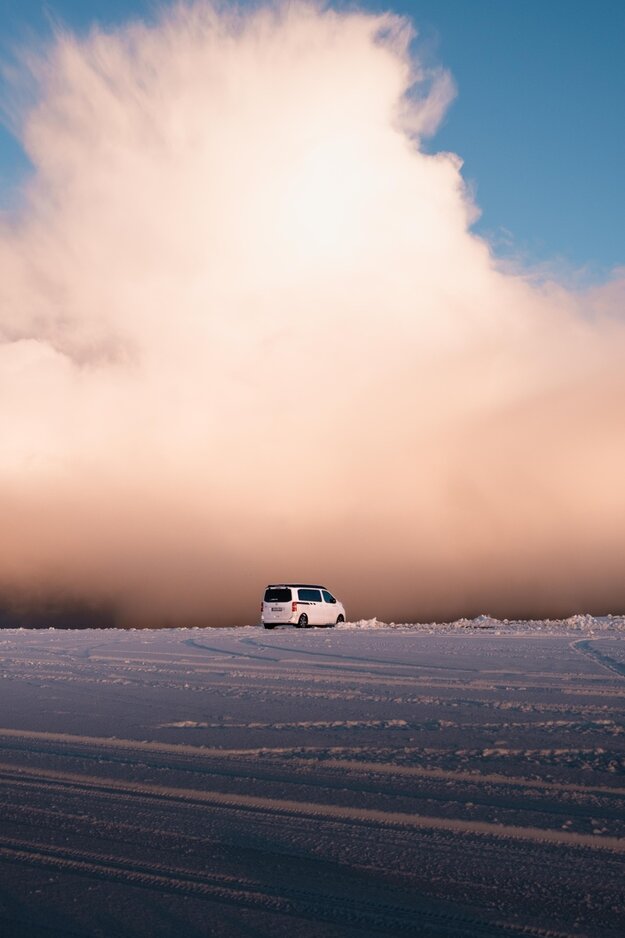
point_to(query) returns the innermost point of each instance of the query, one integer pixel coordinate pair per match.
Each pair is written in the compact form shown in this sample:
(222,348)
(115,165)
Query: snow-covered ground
(443,780)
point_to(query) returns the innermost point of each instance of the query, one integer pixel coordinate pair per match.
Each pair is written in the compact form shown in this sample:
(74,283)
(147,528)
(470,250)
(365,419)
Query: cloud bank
(247,335)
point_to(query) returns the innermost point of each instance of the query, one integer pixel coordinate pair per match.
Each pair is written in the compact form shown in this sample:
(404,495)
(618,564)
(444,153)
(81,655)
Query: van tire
(340,619)
(302,622)
(267,626)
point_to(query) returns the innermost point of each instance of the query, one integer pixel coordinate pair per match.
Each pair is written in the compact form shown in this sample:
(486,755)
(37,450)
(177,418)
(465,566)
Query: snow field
(465,779)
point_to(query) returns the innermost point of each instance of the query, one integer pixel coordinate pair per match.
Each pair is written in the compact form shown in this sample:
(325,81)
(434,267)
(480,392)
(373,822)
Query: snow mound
(576,623)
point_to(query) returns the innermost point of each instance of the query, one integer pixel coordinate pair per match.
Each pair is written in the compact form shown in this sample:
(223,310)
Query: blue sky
(539,119)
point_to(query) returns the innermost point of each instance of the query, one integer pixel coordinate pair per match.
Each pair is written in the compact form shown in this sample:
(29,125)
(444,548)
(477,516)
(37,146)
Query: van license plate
(276,609)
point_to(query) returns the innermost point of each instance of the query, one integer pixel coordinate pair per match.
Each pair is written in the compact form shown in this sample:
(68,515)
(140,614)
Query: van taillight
(293,606)
(261,606)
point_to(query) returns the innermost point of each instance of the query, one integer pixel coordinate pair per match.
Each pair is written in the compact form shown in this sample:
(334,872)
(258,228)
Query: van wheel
(340,619)
(302,622)
(267,626)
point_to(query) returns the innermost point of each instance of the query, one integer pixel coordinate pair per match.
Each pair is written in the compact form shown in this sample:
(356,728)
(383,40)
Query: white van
(300,604)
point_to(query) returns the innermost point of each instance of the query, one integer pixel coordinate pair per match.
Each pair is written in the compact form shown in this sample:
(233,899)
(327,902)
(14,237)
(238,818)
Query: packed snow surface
(372,779)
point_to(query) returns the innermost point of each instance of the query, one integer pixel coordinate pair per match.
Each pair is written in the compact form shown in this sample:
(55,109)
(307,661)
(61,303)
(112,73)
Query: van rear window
(277,594)
(310,596)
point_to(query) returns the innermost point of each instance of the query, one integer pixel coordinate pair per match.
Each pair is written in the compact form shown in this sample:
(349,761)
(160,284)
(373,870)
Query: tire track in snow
(358,659)
(472,778)
(229,890)
(280,807)
(261,762)
(113,742)
(222,889)
(228,652)
(586,647)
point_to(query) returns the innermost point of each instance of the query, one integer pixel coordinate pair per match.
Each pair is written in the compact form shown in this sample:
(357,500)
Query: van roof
(310,586)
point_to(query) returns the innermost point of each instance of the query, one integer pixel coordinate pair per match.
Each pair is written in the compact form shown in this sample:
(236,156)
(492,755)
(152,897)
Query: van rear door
(277,604)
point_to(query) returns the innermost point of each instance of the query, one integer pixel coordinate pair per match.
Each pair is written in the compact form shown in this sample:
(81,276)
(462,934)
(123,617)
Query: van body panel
(284,603)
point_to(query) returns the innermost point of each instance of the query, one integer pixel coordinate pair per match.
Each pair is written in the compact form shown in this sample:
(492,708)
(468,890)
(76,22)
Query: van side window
(329,598)
(309,596)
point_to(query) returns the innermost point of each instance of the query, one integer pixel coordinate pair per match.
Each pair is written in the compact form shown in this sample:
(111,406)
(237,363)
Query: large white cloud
(248,335)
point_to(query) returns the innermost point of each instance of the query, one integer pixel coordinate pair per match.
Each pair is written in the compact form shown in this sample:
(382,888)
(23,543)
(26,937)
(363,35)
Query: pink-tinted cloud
(248,336)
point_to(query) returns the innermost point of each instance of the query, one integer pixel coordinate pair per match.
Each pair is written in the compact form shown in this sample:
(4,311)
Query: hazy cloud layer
(247,336)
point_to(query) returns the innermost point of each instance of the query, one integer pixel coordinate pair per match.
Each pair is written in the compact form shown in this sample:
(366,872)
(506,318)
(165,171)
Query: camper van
(301,605)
